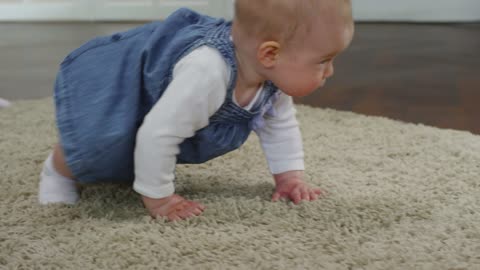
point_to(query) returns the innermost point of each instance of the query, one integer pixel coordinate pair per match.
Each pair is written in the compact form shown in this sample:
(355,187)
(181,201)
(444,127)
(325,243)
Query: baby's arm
(196,92)
(282,144)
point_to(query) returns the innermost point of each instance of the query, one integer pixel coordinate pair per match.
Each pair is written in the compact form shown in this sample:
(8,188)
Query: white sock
(55,188)
(4,103)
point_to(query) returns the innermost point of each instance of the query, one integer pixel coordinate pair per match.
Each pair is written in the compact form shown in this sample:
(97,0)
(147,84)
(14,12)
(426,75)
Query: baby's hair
(281,19)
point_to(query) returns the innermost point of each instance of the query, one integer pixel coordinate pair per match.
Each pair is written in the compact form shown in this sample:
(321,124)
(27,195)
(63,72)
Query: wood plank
(415,73)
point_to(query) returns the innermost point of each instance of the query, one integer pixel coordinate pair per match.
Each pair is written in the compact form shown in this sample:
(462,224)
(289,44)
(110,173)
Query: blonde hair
(282,19)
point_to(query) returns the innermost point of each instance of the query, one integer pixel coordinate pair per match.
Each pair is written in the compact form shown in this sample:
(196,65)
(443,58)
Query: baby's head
(293,42)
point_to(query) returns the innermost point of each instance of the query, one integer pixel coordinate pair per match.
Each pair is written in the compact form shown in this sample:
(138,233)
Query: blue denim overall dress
(105,88)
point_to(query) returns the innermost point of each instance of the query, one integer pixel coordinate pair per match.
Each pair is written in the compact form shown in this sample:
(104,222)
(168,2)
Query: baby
(132,105)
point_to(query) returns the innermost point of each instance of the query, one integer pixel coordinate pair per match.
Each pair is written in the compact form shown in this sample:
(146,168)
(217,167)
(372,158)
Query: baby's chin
(297,94)
(303,92)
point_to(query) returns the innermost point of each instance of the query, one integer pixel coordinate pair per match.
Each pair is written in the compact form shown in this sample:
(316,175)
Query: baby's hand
(174,207)
(290,185)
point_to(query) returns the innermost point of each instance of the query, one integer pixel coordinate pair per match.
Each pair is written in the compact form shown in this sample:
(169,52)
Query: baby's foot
(55,188)
(174,207)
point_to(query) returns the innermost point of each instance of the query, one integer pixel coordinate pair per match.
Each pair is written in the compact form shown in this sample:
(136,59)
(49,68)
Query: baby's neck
(247,83)
(247,75)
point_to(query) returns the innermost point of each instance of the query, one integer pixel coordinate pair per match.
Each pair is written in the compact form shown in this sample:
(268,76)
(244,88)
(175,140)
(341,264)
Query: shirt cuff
(282,166)
(157,192)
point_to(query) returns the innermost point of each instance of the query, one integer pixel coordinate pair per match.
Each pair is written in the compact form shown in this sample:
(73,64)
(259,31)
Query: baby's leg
(59,162)
(56,180)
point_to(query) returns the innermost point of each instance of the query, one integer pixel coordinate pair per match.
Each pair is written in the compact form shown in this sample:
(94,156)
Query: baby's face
(308,62)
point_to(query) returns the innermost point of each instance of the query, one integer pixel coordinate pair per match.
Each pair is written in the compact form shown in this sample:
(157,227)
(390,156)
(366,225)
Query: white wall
(417,10)
(104,10)
(411,10)
(364,10)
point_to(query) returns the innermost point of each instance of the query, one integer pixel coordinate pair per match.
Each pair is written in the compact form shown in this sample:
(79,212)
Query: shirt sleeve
(281,139)
(197,91)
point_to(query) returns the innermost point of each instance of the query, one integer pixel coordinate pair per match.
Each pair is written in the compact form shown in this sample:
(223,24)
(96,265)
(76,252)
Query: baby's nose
(330,71)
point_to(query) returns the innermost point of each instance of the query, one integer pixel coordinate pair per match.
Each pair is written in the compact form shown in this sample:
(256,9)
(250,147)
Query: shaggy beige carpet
(401,196)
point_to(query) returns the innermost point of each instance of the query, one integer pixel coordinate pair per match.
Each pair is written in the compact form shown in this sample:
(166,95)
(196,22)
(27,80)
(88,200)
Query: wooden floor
(416,73)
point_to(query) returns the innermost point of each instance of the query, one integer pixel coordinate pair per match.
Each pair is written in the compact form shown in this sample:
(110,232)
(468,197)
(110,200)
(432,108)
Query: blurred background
(412,60)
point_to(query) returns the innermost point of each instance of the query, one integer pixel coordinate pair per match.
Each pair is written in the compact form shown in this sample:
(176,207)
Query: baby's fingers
(276,196)
(313,195)
(305,194)
(319,192)
(174,217)
(296,196)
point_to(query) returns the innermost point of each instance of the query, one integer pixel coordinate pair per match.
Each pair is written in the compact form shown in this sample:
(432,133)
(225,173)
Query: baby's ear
(268,52)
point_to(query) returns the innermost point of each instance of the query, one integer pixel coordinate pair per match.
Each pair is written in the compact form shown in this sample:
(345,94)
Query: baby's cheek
(307,89)
(320,81)
(314,84)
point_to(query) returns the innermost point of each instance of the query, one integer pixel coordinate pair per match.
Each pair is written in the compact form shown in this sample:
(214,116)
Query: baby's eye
(325,61)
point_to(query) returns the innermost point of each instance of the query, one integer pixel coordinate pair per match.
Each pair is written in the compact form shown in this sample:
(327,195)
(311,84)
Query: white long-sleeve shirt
(197,91)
